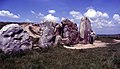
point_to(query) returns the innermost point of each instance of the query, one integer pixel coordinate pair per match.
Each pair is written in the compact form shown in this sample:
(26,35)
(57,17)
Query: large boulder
(47,34)
(13,38)
(70,32)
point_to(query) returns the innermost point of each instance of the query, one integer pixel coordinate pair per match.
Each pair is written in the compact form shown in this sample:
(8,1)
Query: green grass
(61,58)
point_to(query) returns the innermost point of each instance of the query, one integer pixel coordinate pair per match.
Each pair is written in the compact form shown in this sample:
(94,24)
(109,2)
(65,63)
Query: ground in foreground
(62,58)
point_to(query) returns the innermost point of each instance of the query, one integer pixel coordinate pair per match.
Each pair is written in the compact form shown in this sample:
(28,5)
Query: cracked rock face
(13,38)
(47,34)
(70,32)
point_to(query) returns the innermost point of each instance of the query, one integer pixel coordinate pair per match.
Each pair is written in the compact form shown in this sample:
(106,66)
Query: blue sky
(104,14)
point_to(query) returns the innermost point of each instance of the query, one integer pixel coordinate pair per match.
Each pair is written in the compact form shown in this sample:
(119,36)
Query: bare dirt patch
(96,44)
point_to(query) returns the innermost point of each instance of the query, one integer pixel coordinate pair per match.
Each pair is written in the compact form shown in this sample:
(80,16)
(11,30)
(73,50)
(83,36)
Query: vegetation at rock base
(61,58)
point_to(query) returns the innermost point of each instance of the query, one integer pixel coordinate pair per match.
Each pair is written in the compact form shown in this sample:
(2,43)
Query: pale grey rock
(47,30)
(13,38)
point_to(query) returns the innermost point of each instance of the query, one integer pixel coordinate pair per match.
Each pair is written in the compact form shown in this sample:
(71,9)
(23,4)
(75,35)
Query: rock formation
(70,32)
(47,34)
(16,37)
(85,29)
(13,38)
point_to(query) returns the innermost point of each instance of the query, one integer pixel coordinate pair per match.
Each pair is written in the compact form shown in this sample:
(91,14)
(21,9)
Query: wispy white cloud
(40,14)
(92,13)
(52,18)
(116,18)
(5,13)
(98,19)
(51,11)
(28,20)
(76,16)
(43,17)
(33,12)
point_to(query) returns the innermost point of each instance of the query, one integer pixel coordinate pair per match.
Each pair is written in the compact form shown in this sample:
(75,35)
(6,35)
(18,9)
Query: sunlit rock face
(70,32)
(32,29)
(47,34)
(85,29)
(34,32)
(65,33)
(13,38)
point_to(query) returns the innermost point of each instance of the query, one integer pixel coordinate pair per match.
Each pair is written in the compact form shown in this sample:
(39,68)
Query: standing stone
(85,29)
(47,34)
(70,32)
(13,38)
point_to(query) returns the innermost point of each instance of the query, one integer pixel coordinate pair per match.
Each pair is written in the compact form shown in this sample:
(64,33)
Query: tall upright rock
(70,32)
(47,34)
(85,29)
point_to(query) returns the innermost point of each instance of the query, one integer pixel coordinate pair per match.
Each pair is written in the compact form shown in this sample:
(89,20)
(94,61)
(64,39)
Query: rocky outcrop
(13,38)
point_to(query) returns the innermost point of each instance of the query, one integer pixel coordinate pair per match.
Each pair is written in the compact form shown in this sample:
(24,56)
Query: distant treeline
(113,36)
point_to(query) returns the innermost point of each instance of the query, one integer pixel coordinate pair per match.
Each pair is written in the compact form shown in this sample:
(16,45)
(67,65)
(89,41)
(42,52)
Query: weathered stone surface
(70,32)
(47,34)
(85,29)
(32,29)
(58,38)
(13,38)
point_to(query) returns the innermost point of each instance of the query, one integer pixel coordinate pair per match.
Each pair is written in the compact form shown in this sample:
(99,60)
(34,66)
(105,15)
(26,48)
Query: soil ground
(96,44)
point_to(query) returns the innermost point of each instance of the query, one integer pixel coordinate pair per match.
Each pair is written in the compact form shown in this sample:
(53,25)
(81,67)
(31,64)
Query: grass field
(61,58)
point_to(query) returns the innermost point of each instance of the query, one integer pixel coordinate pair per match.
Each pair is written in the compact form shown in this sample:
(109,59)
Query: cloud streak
(5,13)
(32,12)
(52,18)
(51,11)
